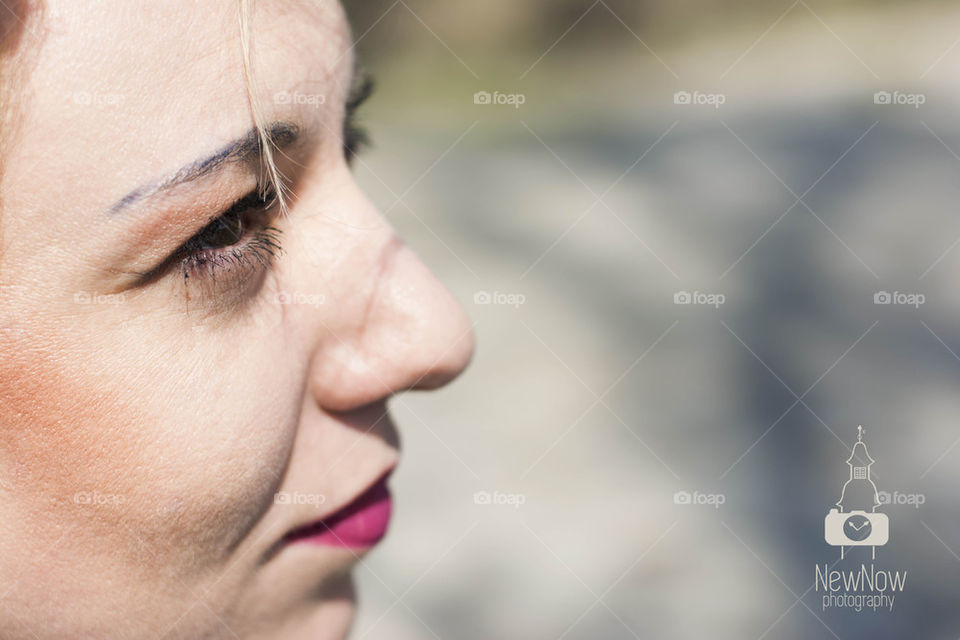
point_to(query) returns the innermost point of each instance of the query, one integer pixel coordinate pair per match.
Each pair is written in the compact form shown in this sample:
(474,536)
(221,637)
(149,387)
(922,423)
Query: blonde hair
(272,178)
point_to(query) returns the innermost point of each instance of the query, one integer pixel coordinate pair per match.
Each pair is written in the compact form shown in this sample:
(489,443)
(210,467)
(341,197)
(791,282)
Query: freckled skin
(145,435)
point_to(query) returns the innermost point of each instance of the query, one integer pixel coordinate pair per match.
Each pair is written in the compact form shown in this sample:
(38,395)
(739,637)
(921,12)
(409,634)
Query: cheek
(122,447)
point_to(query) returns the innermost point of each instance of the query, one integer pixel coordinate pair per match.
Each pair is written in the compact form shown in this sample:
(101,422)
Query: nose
(409,333)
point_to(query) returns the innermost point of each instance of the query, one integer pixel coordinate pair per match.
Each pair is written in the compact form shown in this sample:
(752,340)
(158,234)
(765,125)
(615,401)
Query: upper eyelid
(257,198)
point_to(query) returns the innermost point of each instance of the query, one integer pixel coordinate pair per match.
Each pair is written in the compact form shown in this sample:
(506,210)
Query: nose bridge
(410,333)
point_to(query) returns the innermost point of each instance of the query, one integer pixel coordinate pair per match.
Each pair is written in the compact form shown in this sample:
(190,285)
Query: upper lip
(309,524)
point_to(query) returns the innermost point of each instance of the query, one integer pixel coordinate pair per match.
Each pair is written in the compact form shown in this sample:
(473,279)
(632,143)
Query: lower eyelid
(220,282)
(257,250)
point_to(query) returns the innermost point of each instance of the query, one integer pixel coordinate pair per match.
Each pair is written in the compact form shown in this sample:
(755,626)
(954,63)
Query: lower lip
(359,525)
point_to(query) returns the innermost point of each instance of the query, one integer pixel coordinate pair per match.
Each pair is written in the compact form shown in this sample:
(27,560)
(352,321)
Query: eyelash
(254,245)
(355,137)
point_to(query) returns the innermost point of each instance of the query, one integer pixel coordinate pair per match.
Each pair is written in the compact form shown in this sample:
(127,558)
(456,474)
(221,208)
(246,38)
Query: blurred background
(701,243)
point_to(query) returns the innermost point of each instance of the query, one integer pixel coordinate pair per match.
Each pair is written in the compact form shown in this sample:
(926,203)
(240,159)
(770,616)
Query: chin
(329,621)
(290,612)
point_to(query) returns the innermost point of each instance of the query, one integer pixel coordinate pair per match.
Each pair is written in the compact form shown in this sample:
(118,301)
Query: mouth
(359,525)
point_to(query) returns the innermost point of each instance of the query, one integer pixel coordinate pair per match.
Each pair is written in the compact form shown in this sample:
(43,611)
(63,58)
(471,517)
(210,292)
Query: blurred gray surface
(598,398)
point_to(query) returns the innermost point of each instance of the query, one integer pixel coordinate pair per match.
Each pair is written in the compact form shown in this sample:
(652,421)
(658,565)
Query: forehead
(120,91)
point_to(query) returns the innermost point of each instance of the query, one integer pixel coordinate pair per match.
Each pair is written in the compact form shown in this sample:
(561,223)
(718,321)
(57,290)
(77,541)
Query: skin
(181,407)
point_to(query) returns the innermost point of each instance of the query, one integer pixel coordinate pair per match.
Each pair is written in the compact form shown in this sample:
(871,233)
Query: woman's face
(164,380)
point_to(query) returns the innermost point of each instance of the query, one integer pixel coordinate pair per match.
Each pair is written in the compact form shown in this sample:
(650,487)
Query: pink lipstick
(359,525)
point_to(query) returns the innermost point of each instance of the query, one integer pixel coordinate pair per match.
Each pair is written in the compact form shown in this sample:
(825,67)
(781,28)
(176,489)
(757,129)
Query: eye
(223,232)
(238,241)
(229,228)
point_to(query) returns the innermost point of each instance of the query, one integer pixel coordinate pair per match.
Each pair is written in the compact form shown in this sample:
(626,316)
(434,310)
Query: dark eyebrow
(244,148)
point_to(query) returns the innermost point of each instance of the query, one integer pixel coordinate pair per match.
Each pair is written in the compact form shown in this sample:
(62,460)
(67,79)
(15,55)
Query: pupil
(223,232)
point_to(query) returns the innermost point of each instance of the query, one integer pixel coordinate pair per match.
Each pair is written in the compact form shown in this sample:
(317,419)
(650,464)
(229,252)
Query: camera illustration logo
(854,522)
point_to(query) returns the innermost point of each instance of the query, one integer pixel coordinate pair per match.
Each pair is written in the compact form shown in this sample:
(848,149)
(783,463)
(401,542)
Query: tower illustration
(859,492)
(853,522)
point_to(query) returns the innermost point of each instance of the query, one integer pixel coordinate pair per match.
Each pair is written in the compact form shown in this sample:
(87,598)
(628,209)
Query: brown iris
(225,231)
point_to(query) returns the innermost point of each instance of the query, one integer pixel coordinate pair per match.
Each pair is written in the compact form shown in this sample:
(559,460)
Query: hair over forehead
(21,33)
(273,178)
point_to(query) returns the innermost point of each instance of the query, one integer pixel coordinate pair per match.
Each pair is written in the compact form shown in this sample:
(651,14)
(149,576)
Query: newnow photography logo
(854,525)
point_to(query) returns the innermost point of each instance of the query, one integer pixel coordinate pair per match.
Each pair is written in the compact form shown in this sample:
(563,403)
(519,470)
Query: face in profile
(193,376)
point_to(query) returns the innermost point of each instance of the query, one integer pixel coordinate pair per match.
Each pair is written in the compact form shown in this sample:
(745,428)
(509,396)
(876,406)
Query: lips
(359,525)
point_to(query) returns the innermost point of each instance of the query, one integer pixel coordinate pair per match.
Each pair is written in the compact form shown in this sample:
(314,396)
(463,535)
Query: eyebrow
(244,148)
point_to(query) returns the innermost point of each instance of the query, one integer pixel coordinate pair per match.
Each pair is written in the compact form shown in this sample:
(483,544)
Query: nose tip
(454,352)
(413,335)
(430,333)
